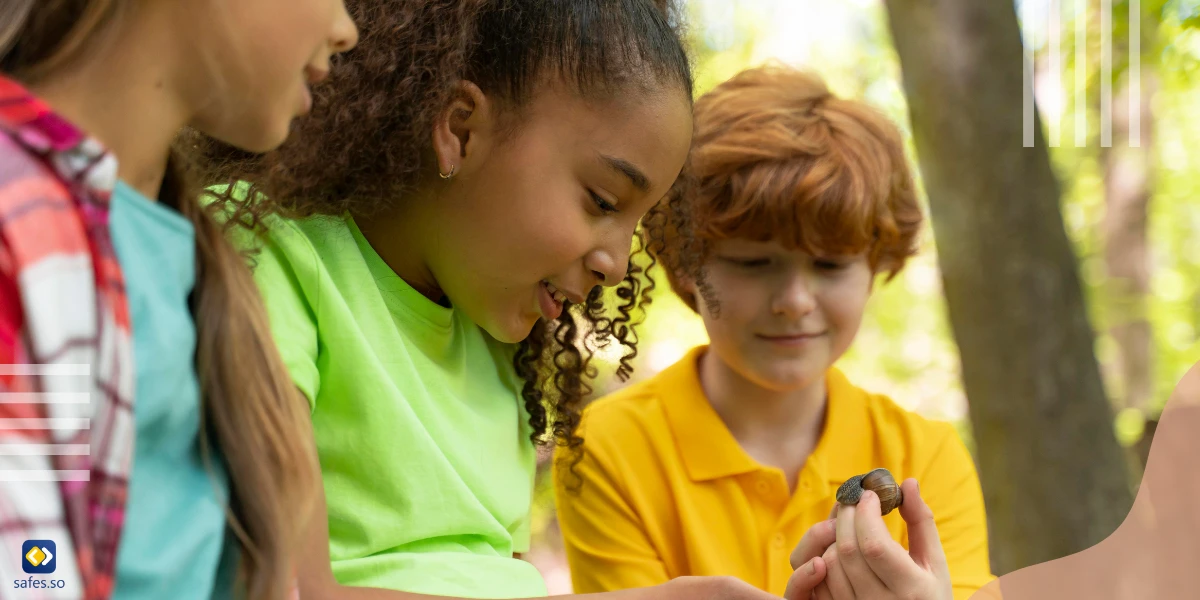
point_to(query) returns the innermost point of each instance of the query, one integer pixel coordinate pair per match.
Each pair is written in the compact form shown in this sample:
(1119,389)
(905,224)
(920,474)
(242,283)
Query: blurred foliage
(905,348)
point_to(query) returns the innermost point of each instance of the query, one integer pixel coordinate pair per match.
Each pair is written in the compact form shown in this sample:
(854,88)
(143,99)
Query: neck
(776,427)
(398,236)
(123,94)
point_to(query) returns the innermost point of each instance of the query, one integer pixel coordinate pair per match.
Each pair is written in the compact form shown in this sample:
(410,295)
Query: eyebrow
(626,168)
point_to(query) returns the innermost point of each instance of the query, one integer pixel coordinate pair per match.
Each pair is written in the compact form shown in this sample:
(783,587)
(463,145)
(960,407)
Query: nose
(794,298)
(609,264)
(345,33)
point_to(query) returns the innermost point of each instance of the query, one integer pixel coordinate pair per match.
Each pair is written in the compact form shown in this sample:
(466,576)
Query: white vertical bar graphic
(44,475)
(1081,120)
(1135,73)
(44,450)
(81,370)
(1027,103)
(1054,96)
(1106,73)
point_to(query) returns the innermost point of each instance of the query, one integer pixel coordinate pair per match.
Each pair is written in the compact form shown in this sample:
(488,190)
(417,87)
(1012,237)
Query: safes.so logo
(39,556)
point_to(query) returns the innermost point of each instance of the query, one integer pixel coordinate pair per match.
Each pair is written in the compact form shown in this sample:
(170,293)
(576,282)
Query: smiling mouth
(550,301)
(796,337)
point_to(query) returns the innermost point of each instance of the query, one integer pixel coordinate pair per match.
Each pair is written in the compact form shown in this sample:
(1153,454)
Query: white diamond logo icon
(49,557)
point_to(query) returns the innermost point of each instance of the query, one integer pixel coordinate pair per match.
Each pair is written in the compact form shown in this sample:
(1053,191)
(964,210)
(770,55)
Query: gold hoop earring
(450,174)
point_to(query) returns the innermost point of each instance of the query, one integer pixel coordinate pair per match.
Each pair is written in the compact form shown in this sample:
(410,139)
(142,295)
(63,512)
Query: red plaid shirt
(66,361)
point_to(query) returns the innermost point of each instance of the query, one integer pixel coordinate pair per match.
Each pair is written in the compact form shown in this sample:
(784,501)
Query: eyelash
(752,263)
(749,263)
(605,206)
(828,265)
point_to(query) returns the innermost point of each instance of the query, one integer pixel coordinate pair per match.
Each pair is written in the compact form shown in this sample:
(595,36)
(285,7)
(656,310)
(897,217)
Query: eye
(748,263)
(829,265)
(605,206)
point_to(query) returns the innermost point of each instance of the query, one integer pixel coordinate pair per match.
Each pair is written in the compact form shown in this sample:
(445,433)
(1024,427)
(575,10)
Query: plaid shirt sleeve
(28,509)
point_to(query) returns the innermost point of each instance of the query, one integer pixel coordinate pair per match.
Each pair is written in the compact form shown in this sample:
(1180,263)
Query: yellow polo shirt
(666,491)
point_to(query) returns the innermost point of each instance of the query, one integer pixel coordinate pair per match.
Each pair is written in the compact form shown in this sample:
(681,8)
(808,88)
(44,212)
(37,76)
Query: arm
(951,488)
(317,581)
(29,509)
(606,542)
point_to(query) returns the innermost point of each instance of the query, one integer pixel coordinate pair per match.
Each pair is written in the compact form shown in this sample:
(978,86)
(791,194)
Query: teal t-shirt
(174,530)
(420,429)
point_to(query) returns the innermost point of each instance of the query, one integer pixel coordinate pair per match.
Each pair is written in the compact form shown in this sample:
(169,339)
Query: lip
(550,307)
(791,339)
(307,100)
(315,75)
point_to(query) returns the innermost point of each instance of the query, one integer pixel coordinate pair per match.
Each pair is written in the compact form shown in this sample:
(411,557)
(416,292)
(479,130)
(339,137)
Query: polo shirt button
(763,487)
(804,484)
(779,541)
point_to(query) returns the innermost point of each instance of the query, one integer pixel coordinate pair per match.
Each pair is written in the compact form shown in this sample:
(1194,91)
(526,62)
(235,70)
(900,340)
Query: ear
(687,287)
(460,130)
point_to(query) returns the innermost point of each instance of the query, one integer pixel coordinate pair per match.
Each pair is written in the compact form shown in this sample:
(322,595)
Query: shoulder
(630,422)
(638,405)
(899,431)
(24,175)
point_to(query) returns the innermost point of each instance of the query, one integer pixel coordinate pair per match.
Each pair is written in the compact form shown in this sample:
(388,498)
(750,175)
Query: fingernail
(811,567)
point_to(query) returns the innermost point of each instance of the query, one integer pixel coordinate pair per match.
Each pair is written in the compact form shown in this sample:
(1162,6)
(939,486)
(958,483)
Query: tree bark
(1053,474)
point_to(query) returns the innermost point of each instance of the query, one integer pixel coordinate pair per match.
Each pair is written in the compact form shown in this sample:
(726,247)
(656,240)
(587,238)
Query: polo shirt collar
(709,451)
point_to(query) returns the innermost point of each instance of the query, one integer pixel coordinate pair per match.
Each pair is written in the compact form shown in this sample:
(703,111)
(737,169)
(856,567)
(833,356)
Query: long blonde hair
(248,399)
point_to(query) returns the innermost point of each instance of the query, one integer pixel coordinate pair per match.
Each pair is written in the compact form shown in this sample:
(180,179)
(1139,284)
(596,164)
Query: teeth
(554,293)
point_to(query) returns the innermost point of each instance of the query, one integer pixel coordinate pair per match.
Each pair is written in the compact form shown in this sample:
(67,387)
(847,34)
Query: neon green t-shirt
(422,437)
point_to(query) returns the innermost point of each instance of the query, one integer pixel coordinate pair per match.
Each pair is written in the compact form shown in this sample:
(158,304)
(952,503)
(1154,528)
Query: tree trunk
(1053,474)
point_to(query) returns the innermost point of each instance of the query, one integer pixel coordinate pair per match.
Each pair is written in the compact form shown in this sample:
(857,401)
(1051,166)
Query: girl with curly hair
(798,201)
(446,223)
(127,320)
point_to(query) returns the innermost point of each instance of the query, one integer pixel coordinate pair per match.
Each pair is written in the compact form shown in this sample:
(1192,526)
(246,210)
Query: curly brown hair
(367,143)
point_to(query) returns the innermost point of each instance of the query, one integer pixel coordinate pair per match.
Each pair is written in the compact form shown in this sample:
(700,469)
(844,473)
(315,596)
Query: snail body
(879,481)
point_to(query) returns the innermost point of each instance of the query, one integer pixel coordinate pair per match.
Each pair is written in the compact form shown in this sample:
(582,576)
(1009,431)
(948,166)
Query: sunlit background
(905,348)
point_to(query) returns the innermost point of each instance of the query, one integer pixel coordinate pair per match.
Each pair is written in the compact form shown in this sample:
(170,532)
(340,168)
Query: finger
(837,583)
(816,540)
(887,559)
(806,579)
(864,581)
(925,547)
(822,593)
(833,510)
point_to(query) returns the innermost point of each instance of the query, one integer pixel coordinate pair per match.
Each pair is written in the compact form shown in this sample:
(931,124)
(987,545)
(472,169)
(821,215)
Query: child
(476,175)
(115,289)
(796,201)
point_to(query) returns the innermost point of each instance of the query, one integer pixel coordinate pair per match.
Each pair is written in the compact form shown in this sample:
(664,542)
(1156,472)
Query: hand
(709,588)
(866,563)
(806,560)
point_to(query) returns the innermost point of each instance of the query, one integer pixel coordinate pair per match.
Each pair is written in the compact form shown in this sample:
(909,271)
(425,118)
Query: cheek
(739,303)
(535,217)
(844,306)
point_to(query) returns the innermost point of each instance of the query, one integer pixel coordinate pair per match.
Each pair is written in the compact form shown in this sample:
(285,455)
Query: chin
(256,139)
(511,333)
(787,378)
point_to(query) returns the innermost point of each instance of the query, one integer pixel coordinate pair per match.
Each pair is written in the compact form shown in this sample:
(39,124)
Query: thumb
(805,579)
(924,545)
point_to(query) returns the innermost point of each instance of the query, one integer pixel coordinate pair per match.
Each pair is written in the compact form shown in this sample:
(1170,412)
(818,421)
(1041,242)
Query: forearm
(353,593)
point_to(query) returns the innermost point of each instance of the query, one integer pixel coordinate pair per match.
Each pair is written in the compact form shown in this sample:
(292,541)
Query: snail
(879,481)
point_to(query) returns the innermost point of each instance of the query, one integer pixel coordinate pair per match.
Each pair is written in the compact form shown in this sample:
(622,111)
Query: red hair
(776,156)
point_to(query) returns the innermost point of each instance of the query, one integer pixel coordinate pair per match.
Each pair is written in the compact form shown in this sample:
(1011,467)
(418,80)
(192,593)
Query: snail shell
(879,481)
